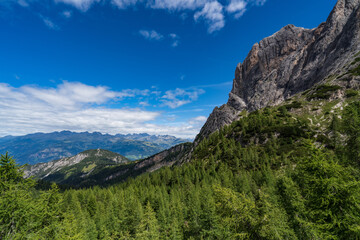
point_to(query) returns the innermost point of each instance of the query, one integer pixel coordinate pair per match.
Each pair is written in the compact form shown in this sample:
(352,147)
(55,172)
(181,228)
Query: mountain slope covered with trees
(284,180)
(265,166)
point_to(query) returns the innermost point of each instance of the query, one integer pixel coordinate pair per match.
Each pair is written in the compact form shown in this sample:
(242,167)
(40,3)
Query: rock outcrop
(288,62)
(165,158)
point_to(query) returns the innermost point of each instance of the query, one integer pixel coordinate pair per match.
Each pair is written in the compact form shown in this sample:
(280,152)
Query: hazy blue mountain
(44,147)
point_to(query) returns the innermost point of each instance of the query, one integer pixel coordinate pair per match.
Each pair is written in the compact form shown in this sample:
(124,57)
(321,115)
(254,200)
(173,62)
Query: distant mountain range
(44,147)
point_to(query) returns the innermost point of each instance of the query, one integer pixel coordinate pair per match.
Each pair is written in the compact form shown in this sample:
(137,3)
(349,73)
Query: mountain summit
(291,61)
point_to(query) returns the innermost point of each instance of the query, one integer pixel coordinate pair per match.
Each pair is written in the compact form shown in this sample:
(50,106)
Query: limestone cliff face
(290,61)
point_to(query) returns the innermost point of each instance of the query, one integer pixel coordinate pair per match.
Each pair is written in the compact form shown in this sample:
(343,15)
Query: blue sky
(130,66)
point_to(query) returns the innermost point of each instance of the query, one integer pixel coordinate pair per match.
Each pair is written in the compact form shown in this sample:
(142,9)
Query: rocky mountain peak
(340,15)
(290,61)
(260,69)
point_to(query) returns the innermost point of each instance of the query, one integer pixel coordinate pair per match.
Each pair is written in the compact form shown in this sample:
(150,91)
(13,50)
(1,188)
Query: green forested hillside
(288,172)
(76,170)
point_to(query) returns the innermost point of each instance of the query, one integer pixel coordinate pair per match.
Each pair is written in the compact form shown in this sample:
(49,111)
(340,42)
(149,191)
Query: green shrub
(351,93)
(294,104)
(324,91)
(356,71)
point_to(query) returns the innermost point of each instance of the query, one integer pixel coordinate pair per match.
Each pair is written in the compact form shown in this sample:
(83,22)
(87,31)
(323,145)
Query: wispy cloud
(178,97)
(212,13)
(49,23)
(175,39)
(237,7)
(176,5)
(66,14)
(197,120)
(123,4)
(144,103)
(151,35)
(260,2)
(156,36)
(82,5)
(23,3)
(215,85)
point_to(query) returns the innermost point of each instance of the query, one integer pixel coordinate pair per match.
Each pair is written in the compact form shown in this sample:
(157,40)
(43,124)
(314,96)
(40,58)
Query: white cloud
(200,120)
(23,3)
(123,4)
(144,103)
(82,5)
(175,39)
(175,43)
(156,36)
(212,13)
(215,85)
(178,97)
(173,36)
(50,24)
(69,106)
(237,7)
(260,2)
(79,107)
(177,5)
(151,35)
(67,14)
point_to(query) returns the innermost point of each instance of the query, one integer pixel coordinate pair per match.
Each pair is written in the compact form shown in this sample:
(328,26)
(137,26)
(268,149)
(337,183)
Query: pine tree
(148,227)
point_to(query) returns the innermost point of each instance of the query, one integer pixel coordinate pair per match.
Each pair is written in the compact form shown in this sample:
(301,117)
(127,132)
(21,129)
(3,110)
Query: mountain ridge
(76,168)
(290,61)
(43,147)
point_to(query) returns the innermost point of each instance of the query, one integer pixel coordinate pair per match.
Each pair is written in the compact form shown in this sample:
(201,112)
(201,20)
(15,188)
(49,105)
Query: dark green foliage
(356,71)
(265,176)
(351,93)
(351,126)
(25,212)
(294,104)
(9,170)
(323,91)
(330,195)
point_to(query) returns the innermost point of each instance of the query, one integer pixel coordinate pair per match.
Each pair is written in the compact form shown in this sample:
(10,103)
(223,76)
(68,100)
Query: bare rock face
(218,118)
(288,62)
(165,158)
